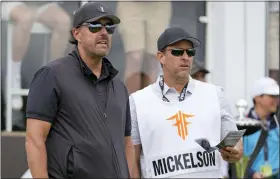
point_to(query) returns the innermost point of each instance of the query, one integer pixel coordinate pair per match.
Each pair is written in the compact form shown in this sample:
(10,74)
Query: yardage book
(230,140)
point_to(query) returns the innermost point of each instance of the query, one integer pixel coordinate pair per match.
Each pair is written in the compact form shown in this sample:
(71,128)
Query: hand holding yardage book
(229,141)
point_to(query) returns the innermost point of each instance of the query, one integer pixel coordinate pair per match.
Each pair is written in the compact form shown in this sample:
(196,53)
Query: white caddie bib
(168,131)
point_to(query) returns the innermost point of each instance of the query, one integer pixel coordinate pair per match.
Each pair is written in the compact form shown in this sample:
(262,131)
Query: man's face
(177,65)
(200,76)
(268,102)
(96,42)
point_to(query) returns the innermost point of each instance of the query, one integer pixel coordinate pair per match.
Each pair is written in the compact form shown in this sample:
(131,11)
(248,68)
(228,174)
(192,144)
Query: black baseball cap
(175,34)
(93,11)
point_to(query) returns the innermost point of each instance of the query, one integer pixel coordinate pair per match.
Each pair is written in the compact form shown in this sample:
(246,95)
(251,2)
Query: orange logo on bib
(181,123)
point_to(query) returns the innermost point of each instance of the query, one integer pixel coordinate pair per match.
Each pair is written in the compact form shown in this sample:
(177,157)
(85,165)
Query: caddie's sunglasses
(177,52)
(97,26)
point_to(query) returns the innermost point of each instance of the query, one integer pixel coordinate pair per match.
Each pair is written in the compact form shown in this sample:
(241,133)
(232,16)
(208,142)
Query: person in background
(142,23)
(265,95)
(198,71)
(273,39)
(23,15)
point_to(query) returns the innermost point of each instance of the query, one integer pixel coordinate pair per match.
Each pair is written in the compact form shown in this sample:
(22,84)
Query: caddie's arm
(137,168)
(135,139)
(229,154)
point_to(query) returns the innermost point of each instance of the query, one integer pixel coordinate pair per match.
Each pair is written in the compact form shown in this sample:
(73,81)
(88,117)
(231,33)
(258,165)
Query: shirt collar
(107,70)
(166,89)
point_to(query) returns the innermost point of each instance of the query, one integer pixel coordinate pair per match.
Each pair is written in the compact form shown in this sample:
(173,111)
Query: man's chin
(102,54)
(183,74)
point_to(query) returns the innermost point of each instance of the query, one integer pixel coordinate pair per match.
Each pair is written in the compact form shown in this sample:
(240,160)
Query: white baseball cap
(265,85)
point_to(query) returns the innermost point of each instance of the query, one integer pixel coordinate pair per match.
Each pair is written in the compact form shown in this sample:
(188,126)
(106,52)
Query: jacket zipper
(115,159)
(104,128)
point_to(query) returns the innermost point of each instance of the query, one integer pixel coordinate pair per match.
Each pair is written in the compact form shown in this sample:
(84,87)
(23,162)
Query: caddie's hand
(231,154)
(258,175)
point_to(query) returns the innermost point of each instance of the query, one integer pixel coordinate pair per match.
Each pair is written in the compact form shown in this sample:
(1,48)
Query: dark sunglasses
(97,26)
(179,52)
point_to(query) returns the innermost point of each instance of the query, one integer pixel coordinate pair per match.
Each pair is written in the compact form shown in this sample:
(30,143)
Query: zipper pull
(105,115)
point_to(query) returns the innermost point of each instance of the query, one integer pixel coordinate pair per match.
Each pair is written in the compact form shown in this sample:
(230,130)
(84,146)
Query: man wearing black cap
(179,111)
(198,71)
(78,115)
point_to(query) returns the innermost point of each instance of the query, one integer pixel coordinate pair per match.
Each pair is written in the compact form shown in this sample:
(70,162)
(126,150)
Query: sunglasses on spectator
(95,27)
(177,52)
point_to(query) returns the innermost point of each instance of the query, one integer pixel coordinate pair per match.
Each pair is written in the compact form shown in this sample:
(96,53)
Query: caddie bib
(168,131)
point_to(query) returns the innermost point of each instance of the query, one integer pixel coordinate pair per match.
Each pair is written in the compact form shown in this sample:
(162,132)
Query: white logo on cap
(102,9)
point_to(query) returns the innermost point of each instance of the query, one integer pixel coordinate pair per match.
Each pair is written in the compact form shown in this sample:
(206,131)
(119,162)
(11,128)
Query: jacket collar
(107,70)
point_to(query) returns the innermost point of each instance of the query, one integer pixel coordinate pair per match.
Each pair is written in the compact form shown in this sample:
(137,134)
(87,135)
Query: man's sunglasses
(179,52)
(96,27)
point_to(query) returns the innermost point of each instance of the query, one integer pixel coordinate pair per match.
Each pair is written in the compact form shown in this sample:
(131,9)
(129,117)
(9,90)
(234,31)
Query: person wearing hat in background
(178,111)
(147,18)
(198,71)
(265,96)
(78,114)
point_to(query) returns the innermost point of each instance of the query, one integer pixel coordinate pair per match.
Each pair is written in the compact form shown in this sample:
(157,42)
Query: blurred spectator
(142,23)
(266,100)
(198,71)
(273,40)
(23,15)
